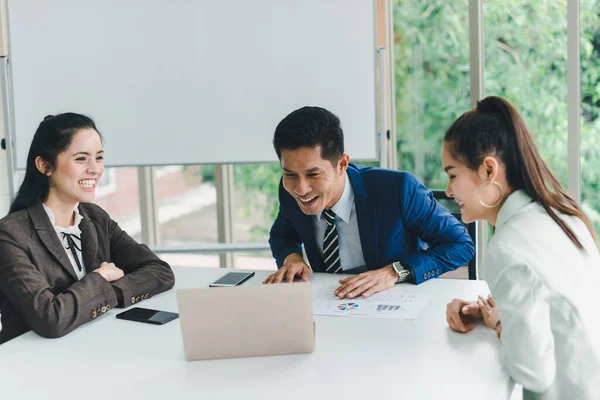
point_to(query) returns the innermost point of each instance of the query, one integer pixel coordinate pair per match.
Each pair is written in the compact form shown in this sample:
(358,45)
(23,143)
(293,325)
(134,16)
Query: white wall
(4,190)
(4,196)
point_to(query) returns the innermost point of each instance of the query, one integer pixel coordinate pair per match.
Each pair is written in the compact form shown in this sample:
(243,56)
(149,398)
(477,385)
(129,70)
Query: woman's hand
(462,315)
(110,271)
(489,312)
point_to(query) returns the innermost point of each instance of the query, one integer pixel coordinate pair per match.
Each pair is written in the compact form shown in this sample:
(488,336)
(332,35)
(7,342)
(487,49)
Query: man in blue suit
(383,225)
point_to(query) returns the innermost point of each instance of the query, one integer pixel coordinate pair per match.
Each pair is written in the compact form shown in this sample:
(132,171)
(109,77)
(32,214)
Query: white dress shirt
(350,248)
(546,291)
(73,230)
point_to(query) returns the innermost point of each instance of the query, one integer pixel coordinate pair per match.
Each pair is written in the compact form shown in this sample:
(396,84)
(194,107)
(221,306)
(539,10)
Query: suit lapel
(310,243)
(366,215)
(89,242)
(49,238)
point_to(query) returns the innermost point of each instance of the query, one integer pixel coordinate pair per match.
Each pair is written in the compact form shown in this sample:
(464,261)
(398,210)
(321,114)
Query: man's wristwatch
(402,271)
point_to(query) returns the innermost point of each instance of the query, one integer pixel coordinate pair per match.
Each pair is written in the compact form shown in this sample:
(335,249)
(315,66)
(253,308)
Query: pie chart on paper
(347,306)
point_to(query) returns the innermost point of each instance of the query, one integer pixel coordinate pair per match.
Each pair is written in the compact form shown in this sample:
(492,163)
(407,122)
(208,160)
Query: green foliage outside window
(260,184)
(525,45)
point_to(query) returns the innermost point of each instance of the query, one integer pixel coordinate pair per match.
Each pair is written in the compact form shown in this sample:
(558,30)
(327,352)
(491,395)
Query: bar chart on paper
(406,306)
(387,307)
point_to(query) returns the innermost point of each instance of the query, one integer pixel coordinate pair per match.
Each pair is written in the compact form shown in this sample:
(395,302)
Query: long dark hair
(51,138)
(495,127)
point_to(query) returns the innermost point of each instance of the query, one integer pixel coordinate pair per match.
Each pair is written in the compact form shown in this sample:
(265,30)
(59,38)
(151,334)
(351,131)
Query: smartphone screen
(232,279)
(147,315)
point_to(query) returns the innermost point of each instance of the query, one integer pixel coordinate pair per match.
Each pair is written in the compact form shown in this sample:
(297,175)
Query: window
(526,62)
(118,194)
(590,109)
(108,183)
(431,66)
(187,211)
(186,199)
(256,203)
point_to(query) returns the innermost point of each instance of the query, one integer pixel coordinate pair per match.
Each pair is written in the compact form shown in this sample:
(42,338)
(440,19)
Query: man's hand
(462,315)
(109,271)
(489,311)
(367,283)
(293,265)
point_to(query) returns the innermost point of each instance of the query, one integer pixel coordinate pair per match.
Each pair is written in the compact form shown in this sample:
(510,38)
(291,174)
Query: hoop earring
(479,195)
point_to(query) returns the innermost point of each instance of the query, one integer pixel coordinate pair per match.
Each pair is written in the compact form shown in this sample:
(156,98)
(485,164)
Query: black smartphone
(148,316)
(232,279)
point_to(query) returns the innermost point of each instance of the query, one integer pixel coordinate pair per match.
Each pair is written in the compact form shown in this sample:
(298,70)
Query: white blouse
(546,292)
(75,233)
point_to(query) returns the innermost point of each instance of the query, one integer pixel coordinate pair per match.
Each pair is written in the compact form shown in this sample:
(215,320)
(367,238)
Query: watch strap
(403,276)
(404,272)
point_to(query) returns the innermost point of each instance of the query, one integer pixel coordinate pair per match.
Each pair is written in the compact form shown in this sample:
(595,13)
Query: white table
(354,358)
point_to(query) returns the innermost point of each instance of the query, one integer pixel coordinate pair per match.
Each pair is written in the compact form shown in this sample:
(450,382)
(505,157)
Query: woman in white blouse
(542,263)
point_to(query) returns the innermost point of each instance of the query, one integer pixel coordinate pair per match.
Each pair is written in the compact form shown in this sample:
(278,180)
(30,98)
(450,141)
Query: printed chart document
(395,305)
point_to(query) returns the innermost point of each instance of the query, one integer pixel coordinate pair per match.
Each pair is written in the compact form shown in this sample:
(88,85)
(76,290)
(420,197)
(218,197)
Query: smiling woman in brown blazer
(63,260)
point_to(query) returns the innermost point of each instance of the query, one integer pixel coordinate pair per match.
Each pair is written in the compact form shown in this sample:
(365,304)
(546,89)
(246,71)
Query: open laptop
(246,321)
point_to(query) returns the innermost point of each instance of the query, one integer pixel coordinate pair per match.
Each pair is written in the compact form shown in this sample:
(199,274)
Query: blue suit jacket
(398,220)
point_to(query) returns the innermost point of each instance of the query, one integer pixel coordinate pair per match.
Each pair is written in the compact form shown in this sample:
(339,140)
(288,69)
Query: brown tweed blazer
(39,289)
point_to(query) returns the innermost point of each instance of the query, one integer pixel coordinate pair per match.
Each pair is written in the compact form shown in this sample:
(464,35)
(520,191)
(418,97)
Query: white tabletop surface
(354,358)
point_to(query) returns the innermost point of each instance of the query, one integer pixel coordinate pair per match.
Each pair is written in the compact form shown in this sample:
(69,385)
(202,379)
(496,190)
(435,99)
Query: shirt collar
(343,207)
(513,203)
(74,227)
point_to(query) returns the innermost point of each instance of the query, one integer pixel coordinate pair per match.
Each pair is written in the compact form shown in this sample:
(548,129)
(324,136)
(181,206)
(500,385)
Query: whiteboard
(192,81)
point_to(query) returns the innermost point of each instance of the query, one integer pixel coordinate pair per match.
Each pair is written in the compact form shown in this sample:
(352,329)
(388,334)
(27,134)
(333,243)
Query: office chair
(441,195)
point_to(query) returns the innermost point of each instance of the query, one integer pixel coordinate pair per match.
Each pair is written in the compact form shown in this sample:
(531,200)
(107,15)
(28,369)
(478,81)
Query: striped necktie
(331,248)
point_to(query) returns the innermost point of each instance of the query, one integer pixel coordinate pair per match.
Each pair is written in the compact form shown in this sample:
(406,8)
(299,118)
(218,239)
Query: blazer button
(133,300)
(424,276)
(137,299)
(94,314)
(147,296)
(108,307)
(103,309)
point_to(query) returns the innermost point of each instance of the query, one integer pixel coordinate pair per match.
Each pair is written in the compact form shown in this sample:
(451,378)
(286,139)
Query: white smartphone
(232,279)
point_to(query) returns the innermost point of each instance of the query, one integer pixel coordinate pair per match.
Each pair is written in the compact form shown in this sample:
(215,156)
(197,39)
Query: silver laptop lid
(246,321)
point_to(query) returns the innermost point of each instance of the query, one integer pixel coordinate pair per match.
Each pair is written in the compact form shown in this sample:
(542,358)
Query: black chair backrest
(441,195)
